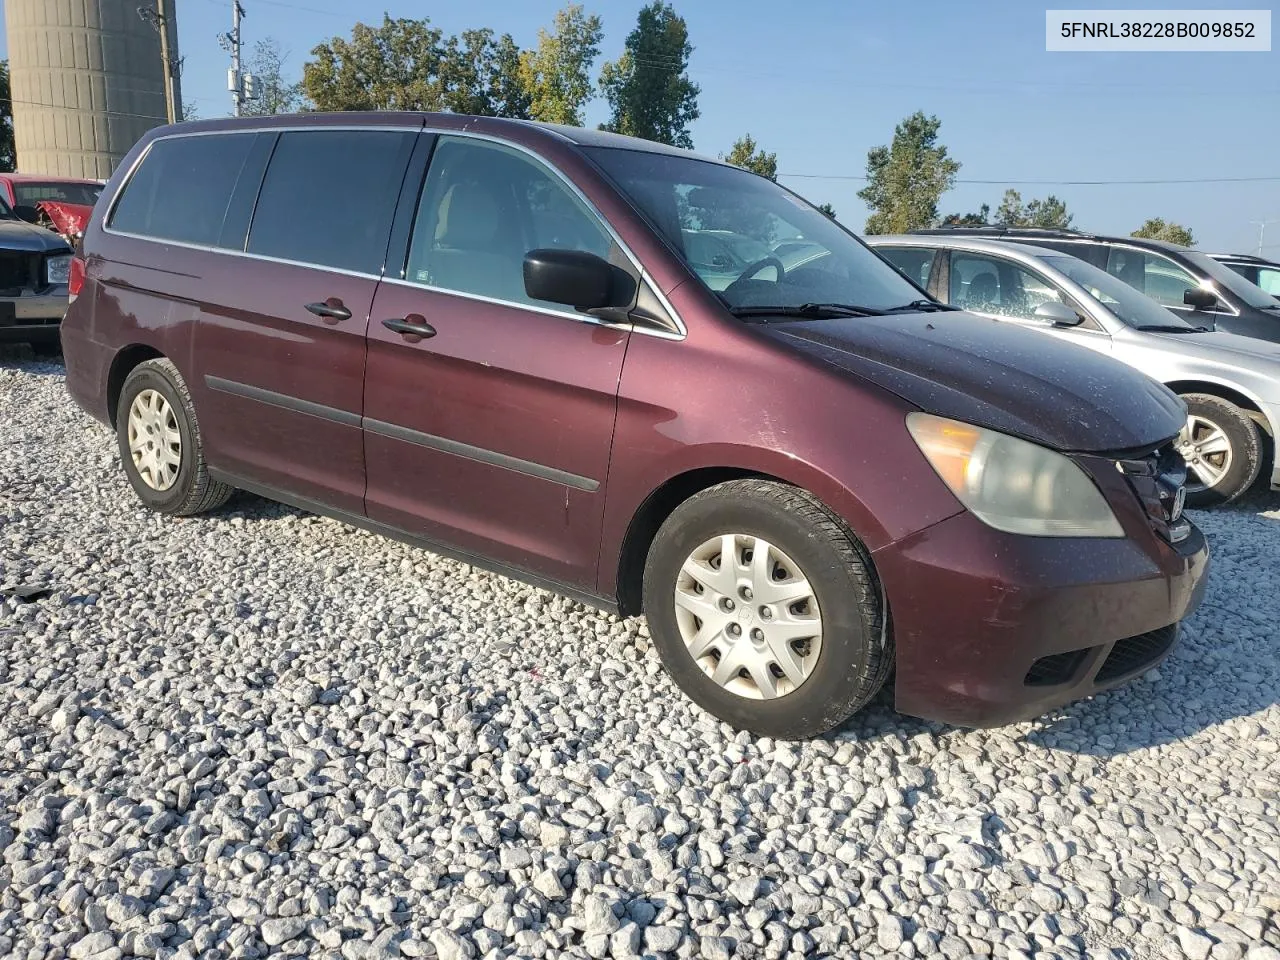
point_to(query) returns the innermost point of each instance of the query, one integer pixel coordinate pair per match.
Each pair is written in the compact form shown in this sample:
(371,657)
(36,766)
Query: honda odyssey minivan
(492,343)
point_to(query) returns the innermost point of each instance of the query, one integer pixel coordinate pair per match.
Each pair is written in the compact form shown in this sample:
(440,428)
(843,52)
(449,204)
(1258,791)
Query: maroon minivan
(486,337)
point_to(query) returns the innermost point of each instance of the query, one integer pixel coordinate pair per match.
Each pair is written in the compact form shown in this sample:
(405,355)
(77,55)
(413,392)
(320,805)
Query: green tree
(410,65)
(747,155)
(1157,229)
(274,93)
(648,88)
(1050,213)
(557,75)
(979,219)
(8,152)
(906,178)
(828,209)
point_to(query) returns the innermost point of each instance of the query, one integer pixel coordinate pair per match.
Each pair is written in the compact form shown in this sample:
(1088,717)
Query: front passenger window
(484,206)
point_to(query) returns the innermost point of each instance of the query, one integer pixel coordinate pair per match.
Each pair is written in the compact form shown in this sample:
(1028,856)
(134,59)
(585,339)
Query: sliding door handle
(413,327)
(331,310)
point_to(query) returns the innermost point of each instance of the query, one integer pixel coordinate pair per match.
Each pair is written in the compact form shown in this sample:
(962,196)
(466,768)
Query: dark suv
(34,268)
(491,343)
(1193,285)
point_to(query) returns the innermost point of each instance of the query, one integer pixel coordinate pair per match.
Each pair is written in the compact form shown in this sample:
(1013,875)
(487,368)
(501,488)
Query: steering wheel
(755,268)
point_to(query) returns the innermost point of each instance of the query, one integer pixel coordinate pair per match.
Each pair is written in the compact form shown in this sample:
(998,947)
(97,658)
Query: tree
(1157,229)
(557,75)
(906,178)
(1050,213)
(409,65)
(274,93)
(828,209)
(8,152)
(745,154)
(648,88)
(979,219)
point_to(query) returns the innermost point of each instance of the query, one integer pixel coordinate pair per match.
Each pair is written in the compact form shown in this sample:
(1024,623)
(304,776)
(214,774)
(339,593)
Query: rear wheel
(160,443)
(765,610)
(1223,450)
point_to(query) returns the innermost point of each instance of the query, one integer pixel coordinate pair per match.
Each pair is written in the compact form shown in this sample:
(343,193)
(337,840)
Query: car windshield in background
(6,212)
(1223,275)
(31,192)
(1131,307)
(749,240)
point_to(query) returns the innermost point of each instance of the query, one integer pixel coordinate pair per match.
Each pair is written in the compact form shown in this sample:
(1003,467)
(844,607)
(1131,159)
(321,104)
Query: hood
(1000,376)
(68,219)
(22,236)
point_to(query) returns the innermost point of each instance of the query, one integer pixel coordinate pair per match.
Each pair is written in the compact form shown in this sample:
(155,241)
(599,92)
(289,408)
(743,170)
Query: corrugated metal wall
(87,82)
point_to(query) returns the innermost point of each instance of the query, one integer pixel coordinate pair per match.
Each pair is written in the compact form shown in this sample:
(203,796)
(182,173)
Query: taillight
(75,278)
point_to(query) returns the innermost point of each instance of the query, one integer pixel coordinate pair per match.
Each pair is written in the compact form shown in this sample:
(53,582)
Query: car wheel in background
(160,442)
(1222,447)
(765,609)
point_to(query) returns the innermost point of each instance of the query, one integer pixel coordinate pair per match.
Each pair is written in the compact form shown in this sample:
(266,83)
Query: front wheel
(1223,450)
(765,610)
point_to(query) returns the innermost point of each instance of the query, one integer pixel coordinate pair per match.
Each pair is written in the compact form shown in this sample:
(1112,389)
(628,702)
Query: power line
(1052,183)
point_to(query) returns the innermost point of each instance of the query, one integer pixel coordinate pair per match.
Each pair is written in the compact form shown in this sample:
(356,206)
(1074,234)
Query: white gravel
(261,732)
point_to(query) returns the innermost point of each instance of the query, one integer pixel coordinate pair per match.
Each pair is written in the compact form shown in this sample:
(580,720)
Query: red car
(491,343)
(61,204)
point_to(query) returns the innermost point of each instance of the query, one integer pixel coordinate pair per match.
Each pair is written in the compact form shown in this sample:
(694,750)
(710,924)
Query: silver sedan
(1230,384)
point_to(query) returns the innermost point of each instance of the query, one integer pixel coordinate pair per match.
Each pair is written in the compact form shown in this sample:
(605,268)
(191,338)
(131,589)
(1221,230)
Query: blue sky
(821,82)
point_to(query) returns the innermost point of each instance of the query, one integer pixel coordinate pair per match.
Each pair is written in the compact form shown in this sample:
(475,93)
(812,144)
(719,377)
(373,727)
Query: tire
(853,653)
(189,488)
(1243,458)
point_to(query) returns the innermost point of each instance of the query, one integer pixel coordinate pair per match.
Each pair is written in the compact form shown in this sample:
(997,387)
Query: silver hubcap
(1205,447)
(748,616)
(154,440)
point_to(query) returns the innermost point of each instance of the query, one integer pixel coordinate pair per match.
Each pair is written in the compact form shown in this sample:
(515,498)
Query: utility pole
(235,78)
(162,21)
(1262,231)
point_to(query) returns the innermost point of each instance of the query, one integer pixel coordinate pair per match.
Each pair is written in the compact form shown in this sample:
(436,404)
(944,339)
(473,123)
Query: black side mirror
(1058,313)
(28,213)
(576,278)
(1200,298)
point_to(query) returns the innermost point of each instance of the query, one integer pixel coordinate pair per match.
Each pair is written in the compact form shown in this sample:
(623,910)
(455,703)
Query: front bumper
(992,628)
(35,317)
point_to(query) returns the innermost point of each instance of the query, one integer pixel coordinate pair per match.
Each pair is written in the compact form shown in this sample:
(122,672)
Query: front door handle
(331,310)
(413,328)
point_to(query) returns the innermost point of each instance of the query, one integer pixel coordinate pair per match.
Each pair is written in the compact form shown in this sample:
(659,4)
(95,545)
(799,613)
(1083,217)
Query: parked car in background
(494,342)
(1260,272)
(1198,288)
(34,269)
(59,204)
(1230,384)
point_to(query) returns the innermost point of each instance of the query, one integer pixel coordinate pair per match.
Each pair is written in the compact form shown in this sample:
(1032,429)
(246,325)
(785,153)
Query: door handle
(413,327)
(331,310)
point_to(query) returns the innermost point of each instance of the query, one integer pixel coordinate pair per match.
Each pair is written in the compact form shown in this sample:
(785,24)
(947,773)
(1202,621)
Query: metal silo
(87,81)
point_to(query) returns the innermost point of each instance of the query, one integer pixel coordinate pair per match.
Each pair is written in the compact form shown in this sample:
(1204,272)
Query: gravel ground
(262,732)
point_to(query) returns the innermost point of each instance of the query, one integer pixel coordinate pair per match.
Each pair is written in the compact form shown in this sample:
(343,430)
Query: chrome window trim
(679,333)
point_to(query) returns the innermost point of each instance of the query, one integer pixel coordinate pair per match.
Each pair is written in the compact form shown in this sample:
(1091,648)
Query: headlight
(1011,484)
(58,269)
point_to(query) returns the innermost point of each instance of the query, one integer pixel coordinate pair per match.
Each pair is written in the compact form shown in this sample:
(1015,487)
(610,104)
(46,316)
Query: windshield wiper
(1171,328)
(807,311)
(922,306)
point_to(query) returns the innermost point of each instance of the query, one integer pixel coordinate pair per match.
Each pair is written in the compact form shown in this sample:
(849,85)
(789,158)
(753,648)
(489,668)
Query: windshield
(29,193)
(1131,307)
(724,221)
(1224,276)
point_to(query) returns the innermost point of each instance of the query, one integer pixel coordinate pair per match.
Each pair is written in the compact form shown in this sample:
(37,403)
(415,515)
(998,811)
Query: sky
(820,82)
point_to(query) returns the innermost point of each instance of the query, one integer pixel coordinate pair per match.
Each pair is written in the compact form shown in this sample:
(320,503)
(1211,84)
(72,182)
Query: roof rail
(995,231)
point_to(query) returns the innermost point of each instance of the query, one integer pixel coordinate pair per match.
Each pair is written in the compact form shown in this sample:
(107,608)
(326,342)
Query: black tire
(1246,449)
(193,490)
(856,653)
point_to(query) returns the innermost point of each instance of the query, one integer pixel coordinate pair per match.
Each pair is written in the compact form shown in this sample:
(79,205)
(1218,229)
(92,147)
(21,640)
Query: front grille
(1054,669)
(1159,480)
(16,272)
(1133,654)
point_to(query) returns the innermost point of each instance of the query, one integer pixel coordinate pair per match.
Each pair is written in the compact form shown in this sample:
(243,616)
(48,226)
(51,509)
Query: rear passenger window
(329,197)
(182,188)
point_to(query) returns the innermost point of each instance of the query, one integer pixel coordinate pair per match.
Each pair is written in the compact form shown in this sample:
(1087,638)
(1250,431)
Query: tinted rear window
(182,188)
(329,197)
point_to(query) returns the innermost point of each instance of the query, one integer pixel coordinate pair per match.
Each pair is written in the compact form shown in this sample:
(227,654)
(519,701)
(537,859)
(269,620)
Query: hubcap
(1207,450)
(154,440)
(765,643)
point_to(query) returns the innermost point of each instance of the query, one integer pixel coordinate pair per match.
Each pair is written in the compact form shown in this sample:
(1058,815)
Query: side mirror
(1200,298)
(28,213)
(1058,313)
(573,277)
